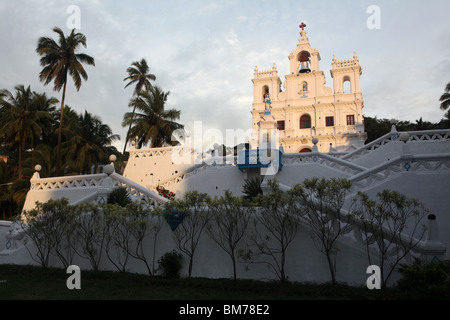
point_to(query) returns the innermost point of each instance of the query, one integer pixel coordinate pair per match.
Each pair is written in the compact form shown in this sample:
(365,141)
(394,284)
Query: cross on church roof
(302,26)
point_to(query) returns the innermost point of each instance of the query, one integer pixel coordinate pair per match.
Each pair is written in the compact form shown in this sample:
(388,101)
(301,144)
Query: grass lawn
(35,283)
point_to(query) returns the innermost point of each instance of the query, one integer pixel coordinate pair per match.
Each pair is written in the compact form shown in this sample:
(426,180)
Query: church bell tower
(304,108)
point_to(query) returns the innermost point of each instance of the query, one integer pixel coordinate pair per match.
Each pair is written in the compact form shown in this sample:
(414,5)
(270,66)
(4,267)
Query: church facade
(304,108)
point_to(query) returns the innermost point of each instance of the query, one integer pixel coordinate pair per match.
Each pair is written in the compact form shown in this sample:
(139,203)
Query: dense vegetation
(34,130)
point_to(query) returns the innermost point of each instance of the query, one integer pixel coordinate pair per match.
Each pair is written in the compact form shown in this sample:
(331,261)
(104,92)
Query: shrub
(425,279)
(252,187)
(119,196)
(170,264)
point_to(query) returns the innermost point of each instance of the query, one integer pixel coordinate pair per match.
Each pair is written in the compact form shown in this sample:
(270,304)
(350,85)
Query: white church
(301,129)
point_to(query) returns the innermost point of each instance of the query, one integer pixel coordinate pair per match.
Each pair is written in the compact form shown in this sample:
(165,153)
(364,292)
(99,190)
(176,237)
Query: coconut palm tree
(138,74)
(89,144)
(152,123)
(445,100)
(60,61)
(22,121)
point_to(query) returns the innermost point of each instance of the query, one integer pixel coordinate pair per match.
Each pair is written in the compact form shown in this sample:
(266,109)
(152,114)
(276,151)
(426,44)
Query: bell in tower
(304,63)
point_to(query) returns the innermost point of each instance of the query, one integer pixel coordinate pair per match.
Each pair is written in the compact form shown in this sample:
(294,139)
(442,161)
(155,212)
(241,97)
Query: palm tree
(138,74)
(22,121)
(60,60)
(46,104)
(445,99)
(89,144)
(153,124)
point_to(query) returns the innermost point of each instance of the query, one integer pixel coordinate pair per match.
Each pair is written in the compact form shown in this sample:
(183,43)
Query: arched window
(347,85)
(305,150)
(265,92)
(305,121)
(304,62)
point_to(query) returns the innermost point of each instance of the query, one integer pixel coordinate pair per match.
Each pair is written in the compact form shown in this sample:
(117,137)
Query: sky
(204,52)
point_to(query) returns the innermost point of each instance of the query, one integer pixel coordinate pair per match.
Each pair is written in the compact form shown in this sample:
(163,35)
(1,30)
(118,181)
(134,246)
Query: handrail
(442,134)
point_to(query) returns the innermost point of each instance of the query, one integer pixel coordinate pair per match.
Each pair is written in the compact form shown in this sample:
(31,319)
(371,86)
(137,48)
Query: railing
(196,169)
(158,152)
(403,163)
(426,135)
(345,63)
(98,183)
(291,159)
(81,181)
(136,191)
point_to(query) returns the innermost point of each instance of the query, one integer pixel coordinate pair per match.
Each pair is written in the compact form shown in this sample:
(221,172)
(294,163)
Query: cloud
(204,52)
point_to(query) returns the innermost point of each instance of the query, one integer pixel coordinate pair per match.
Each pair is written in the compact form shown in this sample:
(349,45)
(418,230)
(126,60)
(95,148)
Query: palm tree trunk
(58,152)
(128,132)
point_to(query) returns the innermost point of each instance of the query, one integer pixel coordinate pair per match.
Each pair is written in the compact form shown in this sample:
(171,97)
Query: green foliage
(425,279)
(229,224)
(88,230)
(51,227)
(119,196)
(322,201)
(276,215)
(170,264)
(152,123)
(252,187)
(384,222)
(197,212)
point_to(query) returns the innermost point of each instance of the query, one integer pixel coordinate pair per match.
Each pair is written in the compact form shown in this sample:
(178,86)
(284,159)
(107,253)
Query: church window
(347,85)
(265,92)
(350,119)
(329,121)
(305,86)
(305,121)
(280,125)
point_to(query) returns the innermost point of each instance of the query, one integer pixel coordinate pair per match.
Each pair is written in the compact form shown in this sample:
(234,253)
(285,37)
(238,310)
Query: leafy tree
(445,100)
(91,236)
(138,74)
(50,226)
(195,207)
(117,235)
(89,143)
(229,224)
(275,227)
(322,202)
(393,224)
(60,60)
(152,123)
(22,120)
(141,221)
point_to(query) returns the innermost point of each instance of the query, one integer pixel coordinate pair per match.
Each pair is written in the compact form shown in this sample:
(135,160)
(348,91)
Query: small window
(280,125)
(329,121)
(351,120)
(305,121)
